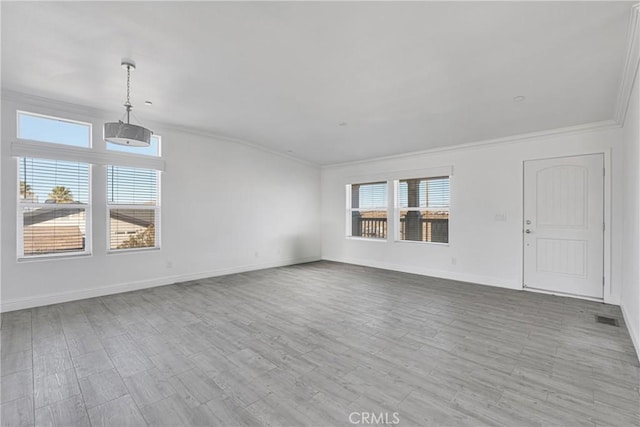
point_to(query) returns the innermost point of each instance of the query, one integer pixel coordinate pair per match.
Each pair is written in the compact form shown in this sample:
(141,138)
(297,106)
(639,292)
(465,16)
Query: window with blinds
(133,207)
(367,210)
(53,208)
(422,212)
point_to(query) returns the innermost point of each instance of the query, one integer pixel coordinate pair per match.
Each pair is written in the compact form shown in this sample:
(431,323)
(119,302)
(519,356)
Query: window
(133,207)
(423,209)
(53,208)
(54,130)
(152,150)
(367,210)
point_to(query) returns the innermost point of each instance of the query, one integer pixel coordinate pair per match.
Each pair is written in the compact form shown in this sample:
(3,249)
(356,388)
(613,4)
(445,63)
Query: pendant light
(127,133)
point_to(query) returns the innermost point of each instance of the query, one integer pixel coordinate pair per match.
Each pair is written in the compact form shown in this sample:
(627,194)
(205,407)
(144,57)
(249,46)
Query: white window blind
(367,210)
(53,208)
(133,207)
(423,209)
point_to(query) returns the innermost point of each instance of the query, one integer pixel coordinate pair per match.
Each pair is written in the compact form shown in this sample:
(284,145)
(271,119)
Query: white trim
(368,239)
(525,137)
(630,69)
(60,297)
(632,331)
(561,294)
(380,177)
(47,150)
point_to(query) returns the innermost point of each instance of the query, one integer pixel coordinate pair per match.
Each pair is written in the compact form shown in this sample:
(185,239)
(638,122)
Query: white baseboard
(631,328)
(60,297)
(451,275)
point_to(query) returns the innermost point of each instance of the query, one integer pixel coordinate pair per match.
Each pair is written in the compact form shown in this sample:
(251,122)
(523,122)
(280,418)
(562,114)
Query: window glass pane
(132,228)
(131,186)
(423,192)
(424,226)
(369,196)
(54,230)
(54,130)
(53,181)
(413,193)
(152,150)
(438,192)
(369,224)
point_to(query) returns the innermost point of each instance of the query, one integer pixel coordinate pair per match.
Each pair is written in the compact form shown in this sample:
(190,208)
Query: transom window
(152,150)
(54,130)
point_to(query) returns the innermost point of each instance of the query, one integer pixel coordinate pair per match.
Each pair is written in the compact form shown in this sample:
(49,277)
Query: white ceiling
(403,76)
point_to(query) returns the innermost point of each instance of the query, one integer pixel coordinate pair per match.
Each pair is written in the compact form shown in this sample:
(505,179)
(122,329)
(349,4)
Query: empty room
(320,213)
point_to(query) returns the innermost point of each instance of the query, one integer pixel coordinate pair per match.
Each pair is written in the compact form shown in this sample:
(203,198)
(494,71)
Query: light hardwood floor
(314,344)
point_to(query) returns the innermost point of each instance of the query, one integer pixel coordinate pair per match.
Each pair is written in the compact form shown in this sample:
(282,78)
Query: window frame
(88,241)
(97,157)
(156,208)
(61,119)
(398,209)
(350,209)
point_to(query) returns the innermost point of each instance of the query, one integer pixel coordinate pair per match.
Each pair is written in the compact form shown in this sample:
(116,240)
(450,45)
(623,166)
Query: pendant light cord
(127,105)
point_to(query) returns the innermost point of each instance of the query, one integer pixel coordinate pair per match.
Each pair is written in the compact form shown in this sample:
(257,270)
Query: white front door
(564,225)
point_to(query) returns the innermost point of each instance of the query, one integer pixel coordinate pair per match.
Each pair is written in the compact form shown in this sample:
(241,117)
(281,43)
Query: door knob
(527,231)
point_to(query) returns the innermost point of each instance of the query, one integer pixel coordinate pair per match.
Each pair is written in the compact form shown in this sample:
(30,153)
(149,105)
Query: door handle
(528,231)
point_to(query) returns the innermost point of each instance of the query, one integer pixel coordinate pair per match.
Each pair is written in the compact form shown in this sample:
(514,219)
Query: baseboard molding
(60,297)
(451,275)
(635,338)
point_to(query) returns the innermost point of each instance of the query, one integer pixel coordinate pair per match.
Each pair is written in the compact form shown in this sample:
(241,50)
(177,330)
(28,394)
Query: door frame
(608,296)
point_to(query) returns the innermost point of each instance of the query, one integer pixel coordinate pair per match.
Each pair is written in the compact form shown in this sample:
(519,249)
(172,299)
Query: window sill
(367,239)
(52,257)
(415,242)
(129,251)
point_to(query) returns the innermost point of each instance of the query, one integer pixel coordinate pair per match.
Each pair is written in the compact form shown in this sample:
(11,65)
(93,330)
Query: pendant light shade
(128,134)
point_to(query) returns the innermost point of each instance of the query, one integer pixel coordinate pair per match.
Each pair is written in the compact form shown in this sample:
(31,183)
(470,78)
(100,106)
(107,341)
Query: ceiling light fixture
(126,133)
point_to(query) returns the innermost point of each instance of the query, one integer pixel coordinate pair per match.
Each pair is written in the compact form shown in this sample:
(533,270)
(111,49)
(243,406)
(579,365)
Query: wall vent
(607,320)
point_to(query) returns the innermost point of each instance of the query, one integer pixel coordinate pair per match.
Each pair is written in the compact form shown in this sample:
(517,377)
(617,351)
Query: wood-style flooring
(319,344)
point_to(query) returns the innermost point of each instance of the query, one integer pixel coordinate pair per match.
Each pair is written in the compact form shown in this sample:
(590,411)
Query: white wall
(226,207)
(487,181)
(630,301)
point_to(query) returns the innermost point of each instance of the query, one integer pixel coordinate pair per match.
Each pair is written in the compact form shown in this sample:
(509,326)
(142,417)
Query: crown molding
(631,63)
(97,113)
(570,130)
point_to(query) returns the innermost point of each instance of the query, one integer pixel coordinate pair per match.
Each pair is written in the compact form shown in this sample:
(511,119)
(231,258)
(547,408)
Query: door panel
(563,225)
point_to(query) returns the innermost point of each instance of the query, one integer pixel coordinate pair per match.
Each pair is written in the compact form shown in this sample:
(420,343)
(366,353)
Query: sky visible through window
(46,129)
(373,195)
(131,186)
(42,175)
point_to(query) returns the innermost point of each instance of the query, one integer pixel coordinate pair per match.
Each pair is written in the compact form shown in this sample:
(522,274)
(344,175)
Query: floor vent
(607,320)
